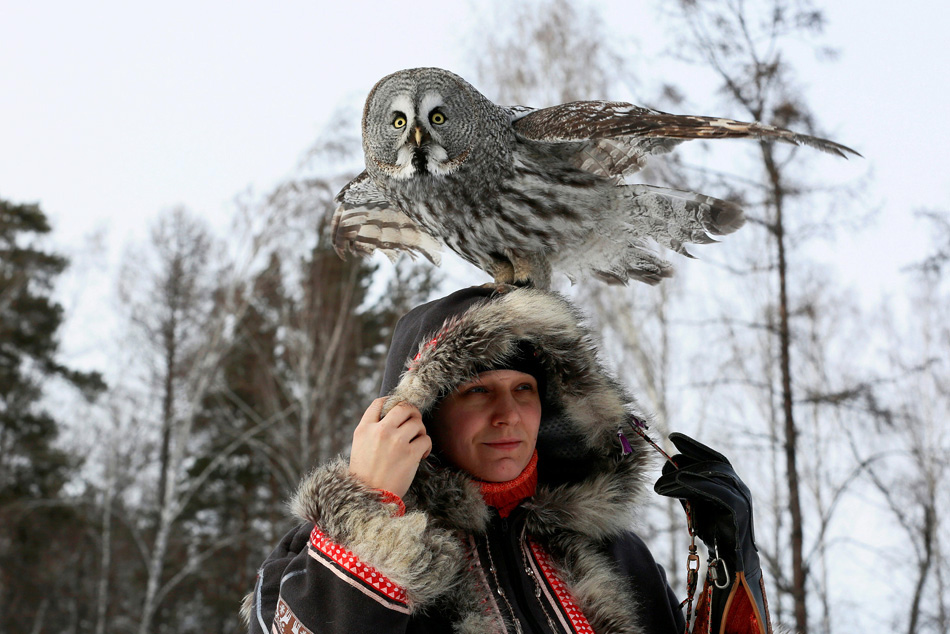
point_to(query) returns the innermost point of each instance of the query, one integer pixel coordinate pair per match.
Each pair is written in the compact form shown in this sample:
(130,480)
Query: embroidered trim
(569,608)
(487,603)
(361,576)
(286,622)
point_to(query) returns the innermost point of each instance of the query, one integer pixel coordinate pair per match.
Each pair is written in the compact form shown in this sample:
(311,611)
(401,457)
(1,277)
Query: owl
(521,192)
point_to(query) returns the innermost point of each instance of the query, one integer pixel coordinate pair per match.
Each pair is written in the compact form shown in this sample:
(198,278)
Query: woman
(489,491)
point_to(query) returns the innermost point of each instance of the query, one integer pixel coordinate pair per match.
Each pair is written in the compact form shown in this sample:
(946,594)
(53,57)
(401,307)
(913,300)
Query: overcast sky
(113,111)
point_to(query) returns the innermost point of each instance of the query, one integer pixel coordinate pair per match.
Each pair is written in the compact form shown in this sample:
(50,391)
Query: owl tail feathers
(647,214)
(674,218)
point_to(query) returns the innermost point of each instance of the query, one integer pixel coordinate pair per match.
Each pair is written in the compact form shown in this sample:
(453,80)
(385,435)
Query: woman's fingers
(386,452)
(423,442)
(371,415)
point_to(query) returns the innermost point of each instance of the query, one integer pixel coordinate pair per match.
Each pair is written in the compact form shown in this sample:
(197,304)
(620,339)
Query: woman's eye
(399,121)
(476,389)
(437,118)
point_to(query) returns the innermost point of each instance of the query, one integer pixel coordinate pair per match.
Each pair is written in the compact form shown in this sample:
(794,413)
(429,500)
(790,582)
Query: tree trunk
(168,402)
(791,431)
(40,617)
(923,568)
(105,563)
(166,519)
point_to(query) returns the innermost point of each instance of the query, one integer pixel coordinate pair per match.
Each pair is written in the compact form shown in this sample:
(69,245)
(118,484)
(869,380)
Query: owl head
(418,122)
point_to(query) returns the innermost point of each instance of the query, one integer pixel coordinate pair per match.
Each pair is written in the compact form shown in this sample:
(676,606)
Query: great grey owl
(517,191)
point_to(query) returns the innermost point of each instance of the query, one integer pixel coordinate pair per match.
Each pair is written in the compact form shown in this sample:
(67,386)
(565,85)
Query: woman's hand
(386,453)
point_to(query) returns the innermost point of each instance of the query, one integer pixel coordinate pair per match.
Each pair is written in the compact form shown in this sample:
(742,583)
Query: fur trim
(405,549)
(247,604)
(584,407)
(571,515)
(587,490)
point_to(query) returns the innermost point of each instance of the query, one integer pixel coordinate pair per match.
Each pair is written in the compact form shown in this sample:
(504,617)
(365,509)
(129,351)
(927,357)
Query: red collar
(505,496)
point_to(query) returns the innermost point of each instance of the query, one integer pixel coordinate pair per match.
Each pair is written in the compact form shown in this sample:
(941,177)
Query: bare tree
(165,288)
(912,474)
(167,300)
(185,332)
(563,51)
(743,44)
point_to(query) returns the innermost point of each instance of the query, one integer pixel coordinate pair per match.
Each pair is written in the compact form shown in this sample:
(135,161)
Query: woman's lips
(504,444)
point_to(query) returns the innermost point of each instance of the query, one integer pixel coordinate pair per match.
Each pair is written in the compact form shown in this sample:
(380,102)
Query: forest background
(179,344)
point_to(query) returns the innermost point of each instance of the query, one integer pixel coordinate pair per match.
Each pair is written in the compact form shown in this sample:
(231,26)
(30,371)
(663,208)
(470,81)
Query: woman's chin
(501,471)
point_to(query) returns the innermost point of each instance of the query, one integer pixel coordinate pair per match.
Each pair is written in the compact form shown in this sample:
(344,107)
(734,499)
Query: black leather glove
(721,506)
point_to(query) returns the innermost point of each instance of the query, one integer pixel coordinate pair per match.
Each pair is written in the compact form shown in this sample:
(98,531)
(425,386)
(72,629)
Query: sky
(113,111)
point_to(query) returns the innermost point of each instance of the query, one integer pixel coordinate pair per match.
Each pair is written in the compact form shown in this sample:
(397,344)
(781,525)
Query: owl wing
(364,221)
(616,138)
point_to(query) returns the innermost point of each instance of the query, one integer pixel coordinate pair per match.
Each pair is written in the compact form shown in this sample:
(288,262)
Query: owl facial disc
(419,150)
(416,124)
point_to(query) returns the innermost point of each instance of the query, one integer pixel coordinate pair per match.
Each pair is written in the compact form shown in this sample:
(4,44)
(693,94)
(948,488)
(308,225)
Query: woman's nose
(505,410)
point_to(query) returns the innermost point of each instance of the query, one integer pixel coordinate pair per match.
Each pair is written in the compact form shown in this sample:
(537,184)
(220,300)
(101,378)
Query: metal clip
(714,573)
(692,563)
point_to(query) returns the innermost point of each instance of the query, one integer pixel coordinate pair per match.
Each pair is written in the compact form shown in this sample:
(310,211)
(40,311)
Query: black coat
(368,569)
(324,596)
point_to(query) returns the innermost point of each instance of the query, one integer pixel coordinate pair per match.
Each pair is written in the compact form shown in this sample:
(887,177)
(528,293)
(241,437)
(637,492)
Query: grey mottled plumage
(518,191)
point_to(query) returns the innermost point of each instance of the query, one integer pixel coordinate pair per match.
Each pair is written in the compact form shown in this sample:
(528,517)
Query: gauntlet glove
(721,507)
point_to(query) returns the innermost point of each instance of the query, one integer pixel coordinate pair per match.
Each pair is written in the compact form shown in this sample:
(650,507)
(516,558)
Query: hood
(585,482)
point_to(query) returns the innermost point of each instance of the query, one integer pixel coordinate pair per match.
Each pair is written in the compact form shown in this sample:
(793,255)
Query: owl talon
(503,272)
(499,287)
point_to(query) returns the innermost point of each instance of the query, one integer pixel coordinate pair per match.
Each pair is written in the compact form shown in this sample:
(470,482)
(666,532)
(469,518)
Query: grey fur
(403,548)
(425,551)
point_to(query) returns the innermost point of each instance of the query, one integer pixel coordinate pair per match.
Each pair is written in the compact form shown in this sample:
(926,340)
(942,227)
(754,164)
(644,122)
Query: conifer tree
(34,523)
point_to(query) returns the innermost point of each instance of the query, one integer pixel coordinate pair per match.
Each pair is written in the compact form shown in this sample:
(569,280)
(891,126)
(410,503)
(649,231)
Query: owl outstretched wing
(616,138)
(364,221)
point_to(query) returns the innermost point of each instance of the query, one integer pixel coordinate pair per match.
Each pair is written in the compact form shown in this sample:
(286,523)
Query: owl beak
(420,135)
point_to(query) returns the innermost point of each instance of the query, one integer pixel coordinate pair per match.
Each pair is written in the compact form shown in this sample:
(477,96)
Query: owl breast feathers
(520,192)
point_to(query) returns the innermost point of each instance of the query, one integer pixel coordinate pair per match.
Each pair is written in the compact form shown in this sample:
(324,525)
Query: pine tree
(36,525)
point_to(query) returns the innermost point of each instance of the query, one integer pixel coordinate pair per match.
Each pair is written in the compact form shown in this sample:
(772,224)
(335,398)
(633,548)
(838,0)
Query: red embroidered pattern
(573,613)
(371,577)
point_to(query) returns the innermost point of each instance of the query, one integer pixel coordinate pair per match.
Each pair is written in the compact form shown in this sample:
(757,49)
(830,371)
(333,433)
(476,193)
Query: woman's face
(489,426)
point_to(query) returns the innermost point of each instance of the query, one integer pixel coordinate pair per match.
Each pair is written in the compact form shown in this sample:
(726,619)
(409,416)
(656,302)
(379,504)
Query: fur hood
(586,484)
(587,490)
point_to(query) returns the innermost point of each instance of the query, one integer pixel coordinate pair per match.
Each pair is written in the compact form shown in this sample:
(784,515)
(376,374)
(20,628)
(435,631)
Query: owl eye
(399,121)
(437,117)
